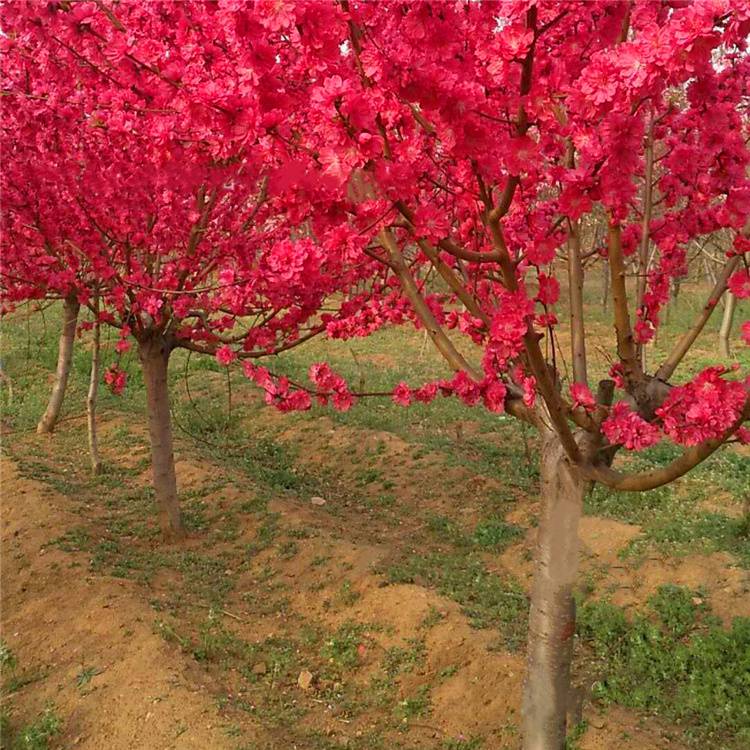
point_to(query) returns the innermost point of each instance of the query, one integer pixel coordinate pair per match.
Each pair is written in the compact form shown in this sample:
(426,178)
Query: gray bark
(726,325)
(64,356)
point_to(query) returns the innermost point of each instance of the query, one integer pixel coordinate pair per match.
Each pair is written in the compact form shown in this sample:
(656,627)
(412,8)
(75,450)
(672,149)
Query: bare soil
(92,644)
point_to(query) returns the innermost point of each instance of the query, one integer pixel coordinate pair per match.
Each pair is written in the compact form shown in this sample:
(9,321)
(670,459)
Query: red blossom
(624,427)
(582,396)
(702,409)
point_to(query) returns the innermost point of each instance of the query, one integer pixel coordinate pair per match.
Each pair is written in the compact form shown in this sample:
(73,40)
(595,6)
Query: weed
(495,534)
(73,540)
(575,734)
(347,594)
(402,660)
(170,635)
(216,643)
(433,617)
(7,657)
(37,735)
(415,706)
(462,743)
(343,648)
(448,672)
(288,549)
(86,674)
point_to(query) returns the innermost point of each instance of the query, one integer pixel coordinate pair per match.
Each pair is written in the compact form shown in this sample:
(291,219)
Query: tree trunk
(605,284)
(726,325)
(552,618)
(64,356)
(154,354)
(96,463)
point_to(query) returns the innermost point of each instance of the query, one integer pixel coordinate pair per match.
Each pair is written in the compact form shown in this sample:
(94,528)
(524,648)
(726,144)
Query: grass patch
(674,660)
(699,533)
(487,600)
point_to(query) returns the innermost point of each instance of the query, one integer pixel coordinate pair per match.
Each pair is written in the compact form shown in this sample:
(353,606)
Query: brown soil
(60,619)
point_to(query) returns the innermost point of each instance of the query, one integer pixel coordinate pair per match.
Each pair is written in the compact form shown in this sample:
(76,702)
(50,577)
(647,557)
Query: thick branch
(557,410)
(453,281)
(682,347)
(648,189)
(444,345)
(649,480)
(625,342)
(447,244)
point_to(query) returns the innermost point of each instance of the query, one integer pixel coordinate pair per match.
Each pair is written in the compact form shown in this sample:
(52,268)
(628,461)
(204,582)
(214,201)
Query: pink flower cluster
(331,386)
(624,427)
(491,391)
(116,378)
(582,396)
(703,409)
(279,392)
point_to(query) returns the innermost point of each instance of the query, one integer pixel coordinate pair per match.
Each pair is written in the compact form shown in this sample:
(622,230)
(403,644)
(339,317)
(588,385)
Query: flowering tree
(476,141)
(136,175)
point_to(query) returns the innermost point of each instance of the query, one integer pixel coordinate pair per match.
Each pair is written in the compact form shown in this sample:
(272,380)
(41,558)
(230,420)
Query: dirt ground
(122,657)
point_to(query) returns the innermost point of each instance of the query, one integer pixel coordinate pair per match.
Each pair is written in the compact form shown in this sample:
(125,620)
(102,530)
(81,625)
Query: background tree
(135,177)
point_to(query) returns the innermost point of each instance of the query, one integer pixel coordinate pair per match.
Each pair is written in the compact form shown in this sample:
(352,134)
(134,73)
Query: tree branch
(444,345)
(682,347)
(649,480)
(577,327)
(625,343)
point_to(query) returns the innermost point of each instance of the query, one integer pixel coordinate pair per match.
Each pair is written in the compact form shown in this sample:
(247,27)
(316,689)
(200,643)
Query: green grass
(118,534)
(486,599)
(38,734)
(702,532)
(676,661)
(343,648)
(493,534)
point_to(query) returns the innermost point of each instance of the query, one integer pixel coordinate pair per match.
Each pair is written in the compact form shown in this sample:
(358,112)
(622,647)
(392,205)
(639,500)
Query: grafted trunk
(726,325)
(96,463)
(552,617)
(154,353)
(64,356)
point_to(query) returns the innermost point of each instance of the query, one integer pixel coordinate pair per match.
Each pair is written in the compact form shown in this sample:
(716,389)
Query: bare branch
(682,347)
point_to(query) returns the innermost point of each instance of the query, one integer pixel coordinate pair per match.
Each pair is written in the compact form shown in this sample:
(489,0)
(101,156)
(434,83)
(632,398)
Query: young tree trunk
(154,355)
(726,325)
(64,356)
(605,284)
(552,619)
(96,463)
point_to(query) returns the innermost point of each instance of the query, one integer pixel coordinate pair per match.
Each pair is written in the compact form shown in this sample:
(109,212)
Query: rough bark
(154,354)
(726,325)
(64,356)
(552,616)
(96,462)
